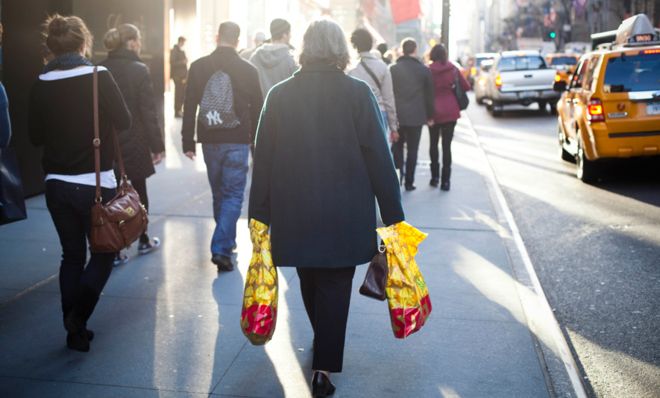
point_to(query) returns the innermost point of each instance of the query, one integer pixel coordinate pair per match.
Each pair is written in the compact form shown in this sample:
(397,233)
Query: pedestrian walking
(179,74)
(446,113)
(61,120)
(321,158)
(385,53)
(274,60)
(226,90)
(142,145)
(413,94)
(258,39)
(377,75)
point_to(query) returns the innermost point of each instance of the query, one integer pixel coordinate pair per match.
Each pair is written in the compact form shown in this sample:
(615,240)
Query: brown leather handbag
(376,278)
(119,222)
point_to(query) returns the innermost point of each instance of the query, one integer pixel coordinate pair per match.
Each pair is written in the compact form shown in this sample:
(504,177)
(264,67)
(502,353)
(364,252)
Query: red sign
(405,10)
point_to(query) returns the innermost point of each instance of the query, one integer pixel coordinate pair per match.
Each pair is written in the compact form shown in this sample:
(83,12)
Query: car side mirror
(559,86)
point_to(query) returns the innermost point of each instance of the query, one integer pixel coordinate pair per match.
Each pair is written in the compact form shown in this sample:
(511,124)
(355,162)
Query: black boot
(321,385)
(435,174)
(446,175)
(77,337)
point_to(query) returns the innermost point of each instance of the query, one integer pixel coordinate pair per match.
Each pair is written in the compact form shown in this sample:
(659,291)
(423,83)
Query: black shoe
(78,341)
(224,263)
(410,187)
(148,246)
(434,182)
(321,385)
(90,334)
(445,186)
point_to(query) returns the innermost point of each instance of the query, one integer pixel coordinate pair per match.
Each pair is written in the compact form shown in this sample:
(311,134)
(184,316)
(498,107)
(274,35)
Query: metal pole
(445,24)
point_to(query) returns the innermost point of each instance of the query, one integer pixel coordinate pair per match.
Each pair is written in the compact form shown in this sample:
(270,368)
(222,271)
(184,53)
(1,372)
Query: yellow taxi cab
(611,106)
(563,63)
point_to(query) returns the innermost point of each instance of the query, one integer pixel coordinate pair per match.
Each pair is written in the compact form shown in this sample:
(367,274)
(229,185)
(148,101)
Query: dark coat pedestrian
(321,160)
(413,95)
(179,74)
(142,145)
(145,136)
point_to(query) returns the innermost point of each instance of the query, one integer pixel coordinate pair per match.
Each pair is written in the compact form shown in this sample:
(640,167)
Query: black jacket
(320,161)
(413,91)
(247,98)
(178,64)
(60,118)
(145,135)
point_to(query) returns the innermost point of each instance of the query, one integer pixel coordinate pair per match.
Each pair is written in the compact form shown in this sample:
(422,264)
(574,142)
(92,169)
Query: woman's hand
(157,157)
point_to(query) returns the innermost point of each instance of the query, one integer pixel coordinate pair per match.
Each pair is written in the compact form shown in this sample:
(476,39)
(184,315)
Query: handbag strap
(371,73)
(97,142)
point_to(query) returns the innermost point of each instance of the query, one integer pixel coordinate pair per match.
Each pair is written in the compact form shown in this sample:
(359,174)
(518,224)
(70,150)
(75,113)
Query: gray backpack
(216,110)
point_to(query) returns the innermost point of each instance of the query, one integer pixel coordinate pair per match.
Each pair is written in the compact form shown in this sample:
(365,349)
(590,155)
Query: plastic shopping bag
(259,313)
(407,294)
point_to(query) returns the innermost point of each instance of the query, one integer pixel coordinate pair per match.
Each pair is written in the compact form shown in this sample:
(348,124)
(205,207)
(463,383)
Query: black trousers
(408,135)
(447,132)
(326,293)
(70,207)
(179,92)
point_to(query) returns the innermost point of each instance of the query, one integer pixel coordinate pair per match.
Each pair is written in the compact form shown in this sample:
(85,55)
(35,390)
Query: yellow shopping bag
(407,294)
(259,312)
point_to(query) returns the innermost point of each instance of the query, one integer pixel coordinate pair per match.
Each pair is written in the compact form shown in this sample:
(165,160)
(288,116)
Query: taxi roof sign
(636,30)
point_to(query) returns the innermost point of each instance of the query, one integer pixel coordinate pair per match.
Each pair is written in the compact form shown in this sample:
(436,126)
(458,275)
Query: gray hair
(324,43)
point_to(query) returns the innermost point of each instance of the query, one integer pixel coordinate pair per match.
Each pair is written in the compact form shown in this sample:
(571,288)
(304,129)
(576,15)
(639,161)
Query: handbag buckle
(381,248)
(96,142)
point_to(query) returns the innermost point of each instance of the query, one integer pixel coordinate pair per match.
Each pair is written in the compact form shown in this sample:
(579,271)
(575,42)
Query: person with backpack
(413,94)
(376,74)
(142,146)
(446,112)
(225,88)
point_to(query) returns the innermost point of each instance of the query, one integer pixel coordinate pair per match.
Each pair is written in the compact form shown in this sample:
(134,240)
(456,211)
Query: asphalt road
(596,248)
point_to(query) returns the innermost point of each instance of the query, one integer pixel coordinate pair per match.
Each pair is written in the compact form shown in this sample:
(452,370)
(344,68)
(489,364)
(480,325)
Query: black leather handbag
(376,278)
(461,95)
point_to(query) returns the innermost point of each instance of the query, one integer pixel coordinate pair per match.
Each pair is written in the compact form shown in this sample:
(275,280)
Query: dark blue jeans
(227,167)
(70,208)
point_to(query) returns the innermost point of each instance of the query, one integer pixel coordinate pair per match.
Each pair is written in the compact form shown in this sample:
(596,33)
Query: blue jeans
(227,167)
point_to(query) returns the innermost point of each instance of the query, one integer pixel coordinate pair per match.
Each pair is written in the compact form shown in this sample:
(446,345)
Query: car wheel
(565,155)
(496,110)
(542,106)
(553,108)
(587,170)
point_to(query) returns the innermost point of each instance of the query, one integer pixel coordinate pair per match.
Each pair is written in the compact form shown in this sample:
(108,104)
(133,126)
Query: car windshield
(521,63)
(633,73)
(563,61)
(480,61)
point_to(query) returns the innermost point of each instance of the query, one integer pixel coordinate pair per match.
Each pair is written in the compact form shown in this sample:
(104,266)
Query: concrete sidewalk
(168,323)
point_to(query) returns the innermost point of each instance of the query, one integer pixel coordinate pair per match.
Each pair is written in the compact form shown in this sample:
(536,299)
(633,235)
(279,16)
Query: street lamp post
(445,23)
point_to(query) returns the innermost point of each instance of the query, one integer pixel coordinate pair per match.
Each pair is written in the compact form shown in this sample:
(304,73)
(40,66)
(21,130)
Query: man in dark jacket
(413,95)
(179,73)
(226,147)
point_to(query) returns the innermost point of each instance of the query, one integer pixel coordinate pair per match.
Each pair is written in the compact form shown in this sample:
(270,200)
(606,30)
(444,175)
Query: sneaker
(121,258)
(224,263)
(148,246)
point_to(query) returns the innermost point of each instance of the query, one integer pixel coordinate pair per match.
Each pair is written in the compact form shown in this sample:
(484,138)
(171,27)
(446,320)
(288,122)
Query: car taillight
(498,81)
(595,110)
(557,77)
(473,71)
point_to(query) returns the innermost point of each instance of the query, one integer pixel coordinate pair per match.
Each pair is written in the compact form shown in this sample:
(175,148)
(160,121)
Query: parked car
(611,106)
(520,77)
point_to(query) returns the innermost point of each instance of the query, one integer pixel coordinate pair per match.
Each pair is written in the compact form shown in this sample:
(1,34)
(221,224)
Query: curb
(541,321)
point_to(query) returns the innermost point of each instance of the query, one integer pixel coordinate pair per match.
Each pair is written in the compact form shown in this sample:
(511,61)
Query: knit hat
(278,27)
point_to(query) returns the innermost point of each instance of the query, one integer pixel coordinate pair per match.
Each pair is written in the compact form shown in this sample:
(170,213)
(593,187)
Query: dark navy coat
(320,162)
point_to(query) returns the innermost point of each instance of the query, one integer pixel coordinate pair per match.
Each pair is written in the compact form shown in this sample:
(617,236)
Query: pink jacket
(446,105)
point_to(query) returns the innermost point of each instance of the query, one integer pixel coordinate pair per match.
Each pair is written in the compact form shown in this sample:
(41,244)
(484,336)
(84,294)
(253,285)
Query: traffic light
(552,34)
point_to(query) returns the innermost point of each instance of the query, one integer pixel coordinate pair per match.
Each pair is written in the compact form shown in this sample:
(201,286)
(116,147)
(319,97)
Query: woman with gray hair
(320,160)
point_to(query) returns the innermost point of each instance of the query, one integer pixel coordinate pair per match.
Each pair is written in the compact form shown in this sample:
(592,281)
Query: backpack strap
(371,74)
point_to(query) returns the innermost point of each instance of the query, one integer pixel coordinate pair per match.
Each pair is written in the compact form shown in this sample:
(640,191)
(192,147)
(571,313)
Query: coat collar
(124,53)
(318,68)
(408,58)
